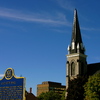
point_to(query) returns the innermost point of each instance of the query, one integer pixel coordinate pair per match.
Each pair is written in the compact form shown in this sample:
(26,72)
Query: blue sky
(35,34)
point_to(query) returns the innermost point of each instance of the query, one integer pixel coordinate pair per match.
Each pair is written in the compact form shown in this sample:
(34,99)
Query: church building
(76,59)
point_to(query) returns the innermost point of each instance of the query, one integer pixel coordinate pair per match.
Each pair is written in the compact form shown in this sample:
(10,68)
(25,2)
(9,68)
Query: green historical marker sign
(12,87)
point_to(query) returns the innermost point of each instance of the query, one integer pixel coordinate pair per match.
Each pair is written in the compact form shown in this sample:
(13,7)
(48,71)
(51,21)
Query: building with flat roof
(50,86)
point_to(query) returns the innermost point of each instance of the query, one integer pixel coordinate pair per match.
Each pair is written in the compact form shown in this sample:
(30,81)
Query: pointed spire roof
(76,34)
(76,41)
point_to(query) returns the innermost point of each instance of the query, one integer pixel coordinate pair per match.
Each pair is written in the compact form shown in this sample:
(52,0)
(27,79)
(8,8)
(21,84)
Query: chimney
(30,90)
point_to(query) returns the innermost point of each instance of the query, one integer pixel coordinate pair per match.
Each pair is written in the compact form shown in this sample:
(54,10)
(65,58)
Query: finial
(75,9)
(73,45)
(75,13)
(78,46)
(68,48)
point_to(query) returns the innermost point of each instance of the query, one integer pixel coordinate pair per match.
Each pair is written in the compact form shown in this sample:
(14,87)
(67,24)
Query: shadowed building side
(93,68)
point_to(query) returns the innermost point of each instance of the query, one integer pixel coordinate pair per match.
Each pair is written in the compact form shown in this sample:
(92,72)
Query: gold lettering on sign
(5,83)
(12,92)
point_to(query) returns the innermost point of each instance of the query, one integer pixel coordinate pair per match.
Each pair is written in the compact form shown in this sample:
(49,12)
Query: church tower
(76,58)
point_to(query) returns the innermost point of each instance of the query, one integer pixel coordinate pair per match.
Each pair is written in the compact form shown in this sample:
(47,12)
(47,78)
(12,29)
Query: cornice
(76,55)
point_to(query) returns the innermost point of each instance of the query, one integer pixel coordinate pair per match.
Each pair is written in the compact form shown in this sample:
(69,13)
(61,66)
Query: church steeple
(76,45)
(76,59)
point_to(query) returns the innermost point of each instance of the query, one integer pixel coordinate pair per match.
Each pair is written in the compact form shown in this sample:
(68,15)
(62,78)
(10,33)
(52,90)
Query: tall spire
(76,34)
(76,41)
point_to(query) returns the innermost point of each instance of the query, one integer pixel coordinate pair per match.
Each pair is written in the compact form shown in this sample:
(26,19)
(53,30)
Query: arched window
(72,68)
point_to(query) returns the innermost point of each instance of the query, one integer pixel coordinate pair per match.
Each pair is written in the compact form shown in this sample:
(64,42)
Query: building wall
(44,87)
(80,67)
(79,60)
(50,86)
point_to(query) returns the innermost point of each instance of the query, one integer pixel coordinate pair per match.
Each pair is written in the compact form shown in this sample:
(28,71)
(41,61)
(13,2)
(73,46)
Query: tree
(63,95)
(51,95)
(92,87)
(75,89)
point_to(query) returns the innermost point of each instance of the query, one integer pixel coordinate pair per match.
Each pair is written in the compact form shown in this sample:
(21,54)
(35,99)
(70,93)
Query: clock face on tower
(8,74)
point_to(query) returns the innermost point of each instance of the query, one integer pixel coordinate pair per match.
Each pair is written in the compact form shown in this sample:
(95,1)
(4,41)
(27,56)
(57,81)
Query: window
(72,68)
